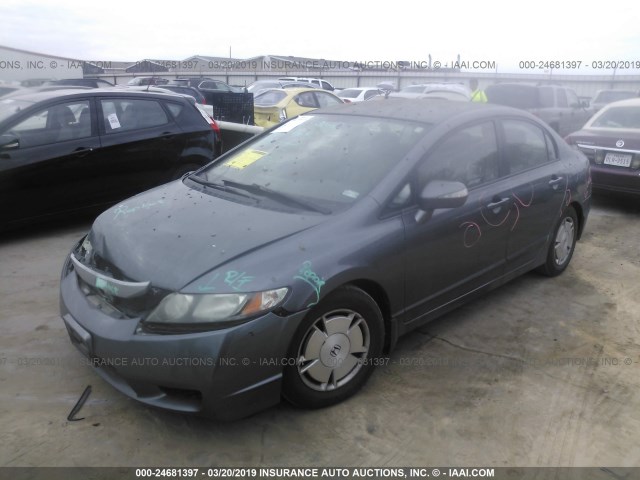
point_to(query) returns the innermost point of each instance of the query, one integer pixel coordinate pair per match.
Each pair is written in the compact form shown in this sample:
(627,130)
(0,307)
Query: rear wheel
(563,244)
(334,348)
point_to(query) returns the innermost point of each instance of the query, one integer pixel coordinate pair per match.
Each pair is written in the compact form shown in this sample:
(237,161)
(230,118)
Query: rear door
(51,168)
(537,188)
(141,144)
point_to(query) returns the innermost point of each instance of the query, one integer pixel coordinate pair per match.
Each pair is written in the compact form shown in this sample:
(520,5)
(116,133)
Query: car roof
(630,102)
(424,110)
(70,93)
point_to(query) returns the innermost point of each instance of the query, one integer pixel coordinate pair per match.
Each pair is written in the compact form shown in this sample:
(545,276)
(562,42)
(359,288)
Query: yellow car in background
(276,105)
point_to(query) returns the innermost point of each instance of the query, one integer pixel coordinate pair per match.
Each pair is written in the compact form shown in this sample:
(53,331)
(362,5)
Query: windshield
(325,160)
(618,117)
(9,106)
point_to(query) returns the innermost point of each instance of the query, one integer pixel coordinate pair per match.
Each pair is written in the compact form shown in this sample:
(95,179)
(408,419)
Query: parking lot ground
(541,372)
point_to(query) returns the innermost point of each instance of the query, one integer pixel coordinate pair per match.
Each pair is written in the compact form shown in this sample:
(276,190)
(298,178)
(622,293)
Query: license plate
(618,159)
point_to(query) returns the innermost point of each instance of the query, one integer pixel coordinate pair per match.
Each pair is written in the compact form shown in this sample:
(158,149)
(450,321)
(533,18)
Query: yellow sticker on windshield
(246,158)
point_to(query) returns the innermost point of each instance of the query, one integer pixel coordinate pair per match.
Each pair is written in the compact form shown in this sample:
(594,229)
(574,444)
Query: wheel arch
(581,219)
(379,295)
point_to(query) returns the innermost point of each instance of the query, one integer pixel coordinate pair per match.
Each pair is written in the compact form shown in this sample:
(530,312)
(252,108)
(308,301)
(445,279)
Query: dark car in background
(558,106)
(185,90)
(611,141)
(289,265)
(137,81)
(65,151)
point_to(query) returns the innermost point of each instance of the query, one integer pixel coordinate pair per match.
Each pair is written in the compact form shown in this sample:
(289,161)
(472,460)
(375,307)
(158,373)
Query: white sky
(506,32)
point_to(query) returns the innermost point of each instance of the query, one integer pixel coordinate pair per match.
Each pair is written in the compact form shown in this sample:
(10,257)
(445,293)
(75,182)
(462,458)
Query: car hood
(173,234)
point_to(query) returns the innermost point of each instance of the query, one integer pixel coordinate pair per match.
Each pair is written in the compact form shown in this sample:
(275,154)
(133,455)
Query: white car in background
(316,82)
(358,94)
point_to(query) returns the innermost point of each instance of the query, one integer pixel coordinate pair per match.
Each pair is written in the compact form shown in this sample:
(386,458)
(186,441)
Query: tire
(335,348)
(561,248)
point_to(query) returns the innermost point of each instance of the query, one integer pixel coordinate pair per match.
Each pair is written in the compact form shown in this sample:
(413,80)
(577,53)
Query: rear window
(618,117)
(270,98)
(349,93)
(518,96)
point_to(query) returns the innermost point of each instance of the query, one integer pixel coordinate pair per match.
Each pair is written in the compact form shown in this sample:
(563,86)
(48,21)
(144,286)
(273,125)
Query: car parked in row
(447,91)
(260,86)
(184,90)
(65,151)
(611,141)
(137,81)
(276,105)
(558,106)
(316,82)
(288,266)
(358,94)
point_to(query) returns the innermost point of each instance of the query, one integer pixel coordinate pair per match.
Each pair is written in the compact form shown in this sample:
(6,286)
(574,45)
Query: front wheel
(563,244)
(334,348)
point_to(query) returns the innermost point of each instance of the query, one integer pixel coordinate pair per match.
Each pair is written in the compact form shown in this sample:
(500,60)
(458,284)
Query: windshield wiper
(278,196)
(219,186)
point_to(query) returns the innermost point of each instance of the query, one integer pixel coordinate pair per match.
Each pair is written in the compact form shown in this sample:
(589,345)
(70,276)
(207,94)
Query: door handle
(81,151)
(554,182)
(167,136)
(496,204)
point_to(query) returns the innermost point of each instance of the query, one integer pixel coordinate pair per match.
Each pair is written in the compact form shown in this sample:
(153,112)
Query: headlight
(217,309)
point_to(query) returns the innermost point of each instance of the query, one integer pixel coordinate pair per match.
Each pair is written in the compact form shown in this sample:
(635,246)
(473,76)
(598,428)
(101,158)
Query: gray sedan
(291,265)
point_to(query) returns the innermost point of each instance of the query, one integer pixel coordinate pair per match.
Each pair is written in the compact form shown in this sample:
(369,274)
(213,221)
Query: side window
(326,86)
(545,96)
(58,123)
(562,97)
(174,108)
(326,100)
(306,99)
(551,147)
(525,145)
(469,155)
(572,98)
(121,115)
(370,93)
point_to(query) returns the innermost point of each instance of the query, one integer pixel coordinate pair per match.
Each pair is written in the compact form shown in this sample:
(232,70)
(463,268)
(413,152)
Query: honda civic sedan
(290,265)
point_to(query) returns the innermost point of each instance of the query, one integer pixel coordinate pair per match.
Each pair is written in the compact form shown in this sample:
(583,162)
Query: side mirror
(440,194)
(9,142)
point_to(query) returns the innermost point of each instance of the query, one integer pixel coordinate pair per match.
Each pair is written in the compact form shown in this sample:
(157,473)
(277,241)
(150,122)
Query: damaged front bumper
(225,374)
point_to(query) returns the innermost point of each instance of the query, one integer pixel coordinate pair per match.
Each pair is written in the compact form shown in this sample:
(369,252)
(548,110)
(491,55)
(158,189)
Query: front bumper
(224,374)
